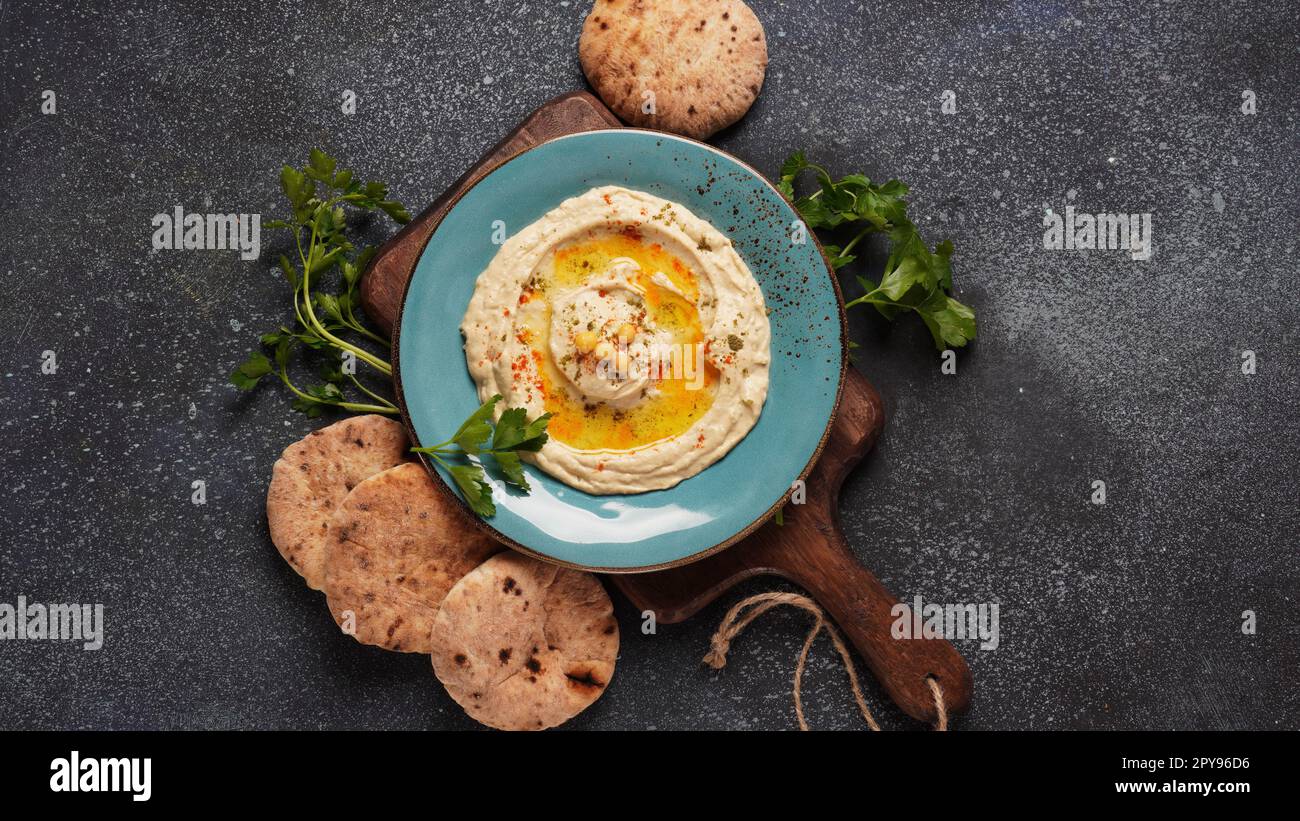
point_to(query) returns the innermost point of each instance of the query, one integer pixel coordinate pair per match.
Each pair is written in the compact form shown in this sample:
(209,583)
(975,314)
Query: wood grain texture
(809,550)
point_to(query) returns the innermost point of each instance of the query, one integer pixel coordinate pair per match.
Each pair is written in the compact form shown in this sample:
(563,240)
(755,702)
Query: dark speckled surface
(1089,365)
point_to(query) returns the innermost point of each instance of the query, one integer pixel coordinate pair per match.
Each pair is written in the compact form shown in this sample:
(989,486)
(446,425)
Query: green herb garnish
(320,194)
(514,434)
(915,278)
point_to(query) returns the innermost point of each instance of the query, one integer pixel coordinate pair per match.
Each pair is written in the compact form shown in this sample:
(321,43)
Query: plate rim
(486,527)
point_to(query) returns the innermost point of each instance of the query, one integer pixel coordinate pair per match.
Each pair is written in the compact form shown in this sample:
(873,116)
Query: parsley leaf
(247,375)
(515,432)
(475,431)
(512,435)
(914,279)
(319,194)
(474,487)
(512,468)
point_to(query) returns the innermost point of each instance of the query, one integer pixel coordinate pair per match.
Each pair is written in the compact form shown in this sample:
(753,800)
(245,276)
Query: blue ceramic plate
(732,497)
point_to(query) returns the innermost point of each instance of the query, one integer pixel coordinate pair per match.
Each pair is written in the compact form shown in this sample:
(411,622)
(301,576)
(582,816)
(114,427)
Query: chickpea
(604,350)
(585,341)
(626,333)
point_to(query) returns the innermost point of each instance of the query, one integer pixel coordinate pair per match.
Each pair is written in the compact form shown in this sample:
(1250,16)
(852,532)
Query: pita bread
(525,645)
(395,547)
(700,62)
(314,475)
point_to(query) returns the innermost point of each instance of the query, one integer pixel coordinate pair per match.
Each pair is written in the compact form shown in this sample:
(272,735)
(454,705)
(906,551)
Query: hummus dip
(637,326)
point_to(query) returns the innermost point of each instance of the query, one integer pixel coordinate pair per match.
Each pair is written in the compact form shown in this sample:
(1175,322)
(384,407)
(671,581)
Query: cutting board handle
(819,560)
(816,556)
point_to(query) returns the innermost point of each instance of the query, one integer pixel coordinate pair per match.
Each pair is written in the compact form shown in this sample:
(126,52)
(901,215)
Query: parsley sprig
(514,434)
(320,194)
(914,279)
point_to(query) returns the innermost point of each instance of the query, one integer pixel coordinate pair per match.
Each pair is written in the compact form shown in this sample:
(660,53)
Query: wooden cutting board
(809,550)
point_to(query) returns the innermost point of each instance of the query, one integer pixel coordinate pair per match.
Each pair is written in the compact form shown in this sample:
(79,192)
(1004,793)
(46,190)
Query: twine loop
(744,612)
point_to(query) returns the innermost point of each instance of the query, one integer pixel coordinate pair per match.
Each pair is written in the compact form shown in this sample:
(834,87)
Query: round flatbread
(395,547)
(314,475)
(692,67)
(525,645)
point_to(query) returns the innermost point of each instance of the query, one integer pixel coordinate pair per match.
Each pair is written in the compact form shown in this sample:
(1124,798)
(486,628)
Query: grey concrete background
(1088,366)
